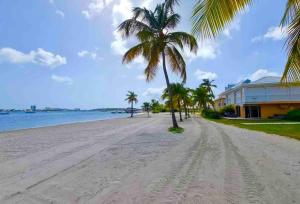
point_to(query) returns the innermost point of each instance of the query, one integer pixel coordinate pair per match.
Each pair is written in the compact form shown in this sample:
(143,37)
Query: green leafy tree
(201,97)
(131,98)
(208,84)
(157,42)
(147,108)
(178,91)
(210,17)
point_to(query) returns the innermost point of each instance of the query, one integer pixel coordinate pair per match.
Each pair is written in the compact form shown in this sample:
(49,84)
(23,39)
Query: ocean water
(21,120)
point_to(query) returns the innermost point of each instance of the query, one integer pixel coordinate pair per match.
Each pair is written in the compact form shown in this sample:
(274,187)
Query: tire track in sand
(237,166)
(173,188)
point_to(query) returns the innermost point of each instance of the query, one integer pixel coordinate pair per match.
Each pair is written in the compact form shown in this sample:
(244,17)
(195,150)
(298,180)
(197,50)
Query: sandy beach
(137,161)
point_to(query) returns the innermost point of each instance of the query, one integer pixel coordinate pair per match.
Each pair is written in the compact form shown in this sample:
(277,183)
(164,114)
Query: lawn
(289,130)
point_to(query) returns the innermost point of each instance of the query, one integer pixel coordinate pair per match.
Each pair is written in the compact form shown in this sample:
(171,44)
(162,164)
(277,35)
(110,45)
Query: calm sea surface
(21,120)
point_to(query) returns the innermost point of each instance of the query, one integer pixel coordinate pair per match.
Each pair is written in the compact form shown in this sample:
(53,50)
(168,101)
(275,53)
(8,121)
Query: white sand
(138,161)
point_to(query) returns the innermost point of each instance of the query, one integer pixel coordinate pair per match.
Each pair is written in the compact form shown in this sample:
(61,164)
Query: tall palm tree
(131,98)
(209,86)
(210,17)
(157,42)
(146,107)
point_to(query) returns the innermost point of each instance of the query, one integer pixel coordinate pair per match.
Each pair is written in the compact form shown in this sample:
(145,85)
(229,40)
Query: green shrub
(229,109)
(293,115)
(211,114)
(176,130)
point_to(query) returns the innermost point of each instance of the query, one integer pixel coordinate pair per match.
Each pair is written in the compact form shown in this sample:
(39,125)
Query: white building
(264,98)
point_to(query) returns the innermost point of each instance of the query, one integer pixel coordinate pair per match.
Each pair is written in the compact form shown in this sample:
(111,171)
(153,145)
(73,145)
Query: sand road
(137,161)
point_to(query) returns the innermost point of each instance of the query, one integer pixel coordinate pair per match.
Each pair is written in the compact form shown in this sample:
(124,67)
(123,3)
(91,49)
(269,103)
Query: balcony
(273,98)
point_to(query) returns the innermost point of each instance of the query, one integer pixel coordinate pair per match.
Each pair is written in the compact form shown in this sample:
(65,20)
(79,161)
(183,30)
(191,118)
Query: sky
(59,53)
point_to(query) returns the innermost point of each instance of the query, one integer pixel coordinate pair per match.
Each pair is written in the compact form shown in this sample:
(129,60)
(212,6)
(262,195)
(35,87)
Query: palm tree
(210,17)
(177,90)
(201,97)
(146,107)
(209,86)
(186,99)
(157,42)
(131,98)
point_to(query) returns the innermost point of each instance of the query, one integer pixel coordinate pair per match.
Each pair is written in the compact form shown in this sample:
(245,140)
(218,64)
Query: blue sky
(55,53)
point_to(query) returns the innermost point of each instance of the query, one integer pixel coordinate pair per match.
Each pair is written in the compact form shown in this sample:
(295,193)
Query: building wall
(269,110)
(219,103)
(271,93)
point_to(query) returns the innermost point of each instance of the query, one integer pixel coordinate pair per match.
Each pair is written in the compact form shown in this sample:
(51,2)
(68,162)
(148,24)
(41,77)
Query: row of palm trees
(188,99)
(159,43)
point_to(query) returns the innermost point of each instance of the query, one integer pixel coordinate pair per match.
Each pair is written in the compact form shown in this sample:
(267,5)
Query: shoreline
(64,124)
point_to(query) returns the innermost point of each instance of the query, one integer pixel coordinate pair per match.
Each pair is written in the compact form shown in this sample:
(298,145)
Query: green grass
(176,130)
(292,131)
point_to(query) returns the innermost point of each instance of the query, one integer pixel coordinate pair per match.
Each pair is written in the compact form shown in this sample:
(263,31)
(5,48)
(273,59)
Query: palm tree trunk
(131,110)
(174,121)
(179,107)
(185,111)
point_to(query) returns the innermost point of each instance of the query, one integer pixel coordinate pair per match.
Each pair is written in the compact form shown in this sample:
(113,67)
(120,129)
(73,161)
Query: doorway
(253,111)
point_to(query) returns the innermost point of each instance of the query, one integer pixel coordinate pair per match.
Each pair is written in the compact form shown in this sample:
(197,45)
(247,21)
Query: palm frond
(170,5)
(133,52)
(186,39)
(210,17)
(292,7)
(153,61)
(177,62)
(172,21)
(132,26)
(292,16)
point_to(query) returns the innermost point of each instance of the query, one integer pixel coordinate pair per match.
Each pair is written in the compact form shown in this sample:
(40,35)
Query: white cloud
(122,11)
(90,54)
(62,79)
(95,7)
(274,33)
(60,13)
(260,73)
(119,45)
(205,75)
(234,26)
(154,92)
(208,49)
(141,77)
(40,57)
(51,1)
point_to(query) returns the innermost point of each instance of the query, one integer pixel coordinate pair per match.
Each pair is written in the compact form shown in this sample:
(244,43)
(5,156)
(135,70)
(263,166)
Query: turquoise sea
(21,120)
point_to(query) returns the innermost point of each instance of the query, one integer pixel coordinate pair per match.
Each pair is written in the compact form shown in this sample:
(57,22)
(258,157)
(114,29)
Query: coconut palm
(157,42)
(210,17)
(177,90)
(131,98)
(201,97)
(209,86)
(146,107)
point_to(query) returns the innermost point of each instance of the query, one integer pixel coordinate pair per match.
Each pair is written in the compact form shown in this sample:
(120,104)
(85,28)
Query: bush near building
(293,115)
(227,110)
(211,114)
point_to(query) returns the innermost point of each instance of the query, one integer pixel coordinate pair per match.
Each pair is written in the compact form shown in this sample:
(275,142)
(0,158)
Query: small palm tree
(178,92)
(210,17)
(201,97)
(157,42)
(209,85)
(146,107)
(131,98)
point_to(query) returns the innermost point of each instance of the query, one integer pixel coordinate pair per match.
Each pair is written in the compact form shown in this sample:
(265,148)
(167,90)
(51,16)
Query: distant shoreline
(36,124)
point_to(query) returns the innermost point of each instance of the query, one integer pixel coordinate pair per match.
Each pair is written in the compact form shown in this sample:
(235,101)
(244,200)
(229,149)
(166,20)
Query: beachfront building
(264,98)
